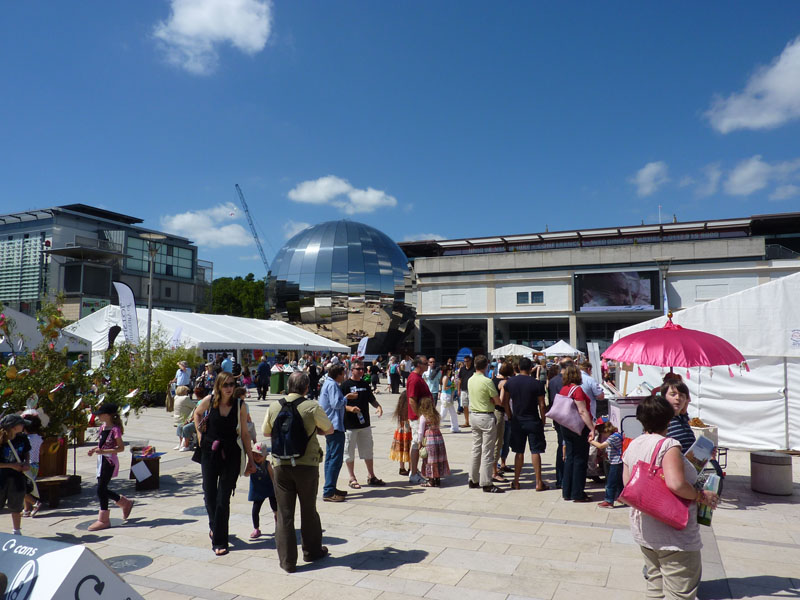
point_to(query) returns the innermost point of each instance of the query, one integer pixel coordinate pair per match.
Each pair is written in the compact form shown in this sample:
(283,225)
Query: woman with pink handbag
(576,461)
(657,477)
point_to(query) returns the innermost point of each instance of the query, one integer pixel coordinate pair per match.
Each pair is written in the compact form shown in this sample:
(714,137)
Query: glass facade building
(344,280)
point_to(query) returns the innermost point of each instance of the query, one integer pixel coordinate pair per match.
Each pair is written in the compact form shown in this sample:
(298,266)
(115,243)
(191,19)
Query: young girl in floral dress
(436,465)
(401,443)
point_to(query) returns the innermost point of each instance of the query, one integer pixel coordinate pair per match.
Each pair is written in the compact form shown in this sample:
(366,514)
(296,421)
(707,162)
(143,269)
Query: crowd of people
(504,406)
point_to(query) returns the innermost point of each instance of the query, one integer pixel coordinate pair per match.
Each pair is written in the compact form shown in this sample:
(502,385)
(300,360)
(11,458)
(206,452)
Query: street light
(152,249)
(663,263)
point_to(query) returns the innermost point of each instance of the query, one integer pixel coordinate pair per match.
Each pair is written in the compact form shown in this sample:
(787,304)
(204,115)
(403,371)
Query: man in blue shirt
(334,403)
(262,378)
(227,364)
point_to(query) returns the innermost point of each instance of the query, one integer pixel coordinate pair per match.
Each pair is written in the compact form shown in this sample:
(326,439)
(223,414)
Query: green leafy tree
(239,297)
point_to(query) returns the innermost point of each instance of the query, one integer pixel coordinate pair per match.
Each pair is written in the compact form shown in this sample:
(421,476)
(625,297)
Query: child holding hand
(261,487)
(610,440)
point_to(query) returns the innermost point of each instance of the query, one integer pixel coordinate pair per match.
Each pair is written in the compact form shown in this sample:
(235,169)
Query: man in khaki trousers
(483,397)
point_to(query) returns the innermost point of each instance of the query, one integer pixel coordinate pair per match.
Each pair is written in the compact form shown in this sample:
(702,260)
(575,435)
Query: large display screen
(617,292)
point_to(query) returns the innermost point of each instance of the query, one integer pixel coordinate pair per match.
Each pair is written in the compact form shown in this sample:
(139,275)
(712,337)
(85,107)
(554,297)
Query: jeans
(334,456)
(219,481)
(506,442)
(613,483)
(574,482)
(559,455)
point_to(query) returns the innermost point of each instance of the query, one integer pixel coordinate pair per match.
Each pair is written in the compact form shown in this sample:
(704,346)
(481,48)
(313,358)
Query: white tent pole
(786,400)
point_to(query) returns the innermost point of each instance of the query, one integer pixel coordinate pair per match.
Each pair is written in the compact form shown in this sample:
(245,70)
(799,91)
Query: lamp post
(153,245)
(663,263)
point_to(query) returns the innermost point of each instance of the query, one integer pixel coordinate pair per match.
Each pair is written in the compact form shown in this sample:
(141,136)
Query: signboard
(90,305)
(622,291)
(42,569)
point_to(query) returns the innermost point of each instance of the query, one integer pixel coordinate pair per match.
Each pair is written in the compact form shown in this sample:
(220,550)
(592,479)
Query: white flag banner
(362,346)
(127,306)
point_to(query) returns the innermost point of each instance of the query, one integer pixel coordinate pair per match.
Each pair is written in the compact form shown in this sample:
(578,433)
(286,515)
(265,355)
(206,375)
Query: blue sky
(444,119)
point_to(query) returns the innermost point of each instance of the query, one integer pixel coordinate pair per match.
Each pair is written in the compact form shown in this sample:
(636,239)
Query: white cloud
(292,228)
(785,192)
(770,98)
(649,178)
(709,186)
(341,194)
(686,181)
(210,227)
(421,237)
(195,29)
(754,174)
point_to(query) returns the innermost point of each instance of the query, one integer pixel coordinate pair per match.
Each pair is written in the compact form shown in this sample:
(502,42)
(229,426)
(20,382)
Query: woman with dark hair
(671,556)
(225,454)
(505,371)
(576,460)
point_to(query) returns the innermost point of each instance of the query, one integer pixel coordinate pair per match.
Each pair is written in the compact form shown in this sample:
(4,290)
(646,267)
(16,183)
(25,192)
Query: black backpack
(289,437)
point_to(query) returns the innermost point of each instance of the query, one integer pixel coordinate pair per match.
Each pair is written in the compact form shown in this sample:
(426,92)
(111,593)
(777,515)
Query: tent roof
(207,332)
(561,348)
(26,326)
(512,350)
(760,321)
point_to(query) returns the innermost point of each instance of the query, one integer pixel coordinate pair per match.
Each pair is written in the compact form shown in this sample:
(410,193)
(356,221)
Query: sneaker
(605,504)
(333,498)
(185,449)
(26,513)
(178,447)
(36,508)
(416,479)
(339,492)
(493,489)
(256,534)
(472,485)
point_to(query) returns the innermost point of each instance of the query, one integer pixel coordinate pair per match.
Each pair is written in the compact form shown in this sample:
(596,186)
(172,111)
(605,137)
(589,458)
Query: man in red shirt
(416,390)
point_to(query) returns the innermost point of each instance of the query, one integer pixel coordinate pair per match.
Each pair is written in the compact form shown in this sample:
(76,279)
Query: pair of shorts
(464,399)
(414,424)
(361,439)
(12,496)
(530,430)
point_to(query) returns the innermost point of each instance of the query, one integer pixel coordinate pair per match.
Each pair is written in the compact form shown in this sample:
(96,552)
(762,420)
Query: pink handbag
(565,413)
(648,492)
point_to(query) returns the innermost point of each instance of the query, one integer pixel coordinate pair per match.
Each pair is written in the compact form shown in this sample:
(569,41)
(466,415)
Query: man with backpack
(292,424)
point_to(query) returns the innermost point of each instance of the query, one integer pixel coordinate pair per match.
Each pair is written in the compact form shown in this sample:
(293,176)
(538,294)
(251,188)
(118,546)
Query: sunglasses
(357,369)
(229,384)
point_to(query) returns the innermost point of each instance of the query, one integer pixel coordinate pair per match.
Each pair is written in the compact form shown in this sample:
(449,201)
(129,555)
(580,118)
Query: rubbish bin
(277,383)
(771,473)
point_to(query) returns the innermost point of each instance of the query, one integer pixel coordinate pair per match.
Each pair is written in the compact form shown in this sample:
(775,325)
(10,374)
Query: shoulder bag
(648,492)
(565,413)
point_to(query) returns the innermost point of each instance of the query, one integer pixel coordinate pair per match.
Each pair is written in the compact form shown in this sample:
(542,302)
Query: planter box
(52,458)
(711,432)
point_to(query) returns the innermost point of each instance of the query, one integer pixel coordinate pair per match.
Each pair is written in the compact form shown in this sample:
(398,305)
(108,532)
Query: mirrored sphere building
(344,280)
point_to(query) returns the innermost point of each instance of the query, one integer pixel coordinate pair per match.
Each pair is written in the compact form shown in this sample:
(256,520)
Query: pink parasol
(673,346)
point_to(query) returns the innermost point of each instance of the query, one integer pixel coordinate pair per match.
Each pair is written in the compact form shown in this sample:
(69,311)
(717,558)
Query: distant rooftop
(771,224)
(82,209)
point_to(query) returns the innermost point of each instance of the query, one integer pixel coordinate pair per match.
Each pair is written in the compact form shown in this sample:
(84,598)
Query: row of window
(170,260)
(530,297)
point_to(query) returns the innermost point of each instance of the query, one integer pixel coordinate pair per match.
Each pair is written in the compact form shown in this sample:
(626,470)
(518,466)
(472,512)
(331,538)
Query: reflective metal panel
(343,280)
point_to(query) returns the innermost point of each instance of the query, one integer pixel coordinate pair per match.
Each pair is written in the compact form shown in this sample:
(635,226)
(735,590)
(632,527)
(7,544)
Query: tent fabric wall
(205,332)
(759,409)
(27,327)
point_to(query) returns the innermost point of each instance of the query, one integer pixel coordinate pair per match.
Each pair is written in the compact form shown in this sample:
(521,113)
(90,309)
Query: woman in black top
(505,371)
(223,446)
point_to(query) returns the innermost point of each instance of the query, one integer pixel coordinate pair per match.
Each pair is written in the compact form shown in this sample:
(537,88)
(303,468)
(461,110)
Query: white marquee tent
(25,328)
(759,409)
(561,348)
(512,350)
(204,332)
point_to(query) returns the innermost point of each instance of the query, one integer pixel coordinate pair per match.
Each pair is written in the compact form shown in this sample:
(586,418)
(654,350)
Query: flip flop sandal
(515,485)
(354,484)
(499,479)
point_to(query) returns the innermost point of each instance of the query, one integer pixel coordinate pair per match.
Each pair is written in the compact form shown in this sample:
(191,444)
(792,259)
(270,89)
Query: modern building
(583,285)
(345,281)
(78,250)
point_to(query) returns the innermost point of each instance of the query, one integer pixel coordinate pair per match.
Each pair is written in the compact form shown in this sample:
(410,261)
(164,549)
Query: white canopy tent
(25,329)
(561,348)
(204,332)
(512,350)
(759,409)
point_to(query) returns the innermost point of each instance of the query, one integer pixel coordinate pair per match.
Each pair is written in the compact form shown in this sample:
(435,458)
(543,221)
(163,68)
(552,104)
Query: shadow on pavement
(748,587)
(385,559)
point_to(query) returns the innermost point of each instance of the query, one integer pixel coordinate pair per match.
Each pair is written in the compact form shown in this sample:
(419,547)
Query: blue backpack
(289,437)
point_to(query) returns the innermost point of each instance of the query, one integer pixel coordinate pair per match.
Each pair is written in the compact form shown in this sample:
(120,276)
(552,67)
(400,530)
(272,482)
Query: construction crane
(253,229)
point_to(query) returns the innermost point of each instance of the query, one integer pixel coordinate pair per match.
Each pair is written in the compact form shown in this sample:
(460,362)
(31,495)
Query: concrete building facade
(581,286)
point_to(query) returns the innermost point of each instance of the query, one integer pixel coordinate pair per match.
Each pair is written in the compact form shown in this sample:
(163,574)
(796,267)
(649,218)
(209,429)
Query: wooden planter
(52,458)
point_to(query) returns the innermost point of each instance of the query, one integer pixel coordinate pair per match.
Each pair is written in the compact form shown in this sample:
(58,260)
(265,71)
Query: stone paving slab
(402,541)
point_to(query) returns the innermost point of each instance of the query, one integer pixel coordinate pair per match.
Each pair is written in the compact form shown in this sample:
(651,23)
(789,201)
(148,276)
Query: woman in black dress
(225,454)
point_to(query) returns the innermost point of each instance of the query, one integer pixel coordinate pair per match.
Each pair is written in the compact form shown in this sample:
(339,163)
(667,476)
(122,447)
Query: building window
(167,292)
(170,260)
(523,298)
(537,297)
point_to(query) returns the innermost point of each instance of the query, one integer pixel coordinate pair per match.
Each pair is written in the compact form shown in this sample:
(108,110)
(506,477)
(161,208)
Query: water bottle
(361,418)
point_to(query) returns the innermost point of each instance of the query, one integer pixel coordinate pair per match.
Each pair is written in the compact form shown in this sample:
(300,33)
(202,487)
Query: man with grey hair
(298,479)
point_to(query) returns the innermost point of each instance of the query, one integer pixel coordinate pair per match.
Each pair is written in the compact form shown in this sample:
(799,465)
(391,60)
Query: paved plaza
(402,541)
